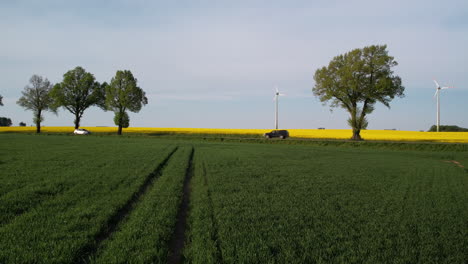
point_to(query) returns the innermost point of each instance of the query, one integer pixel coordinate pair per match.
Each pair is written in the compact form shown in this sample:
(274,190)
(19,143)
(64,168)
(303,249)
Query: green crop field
(296,204)
(105,199)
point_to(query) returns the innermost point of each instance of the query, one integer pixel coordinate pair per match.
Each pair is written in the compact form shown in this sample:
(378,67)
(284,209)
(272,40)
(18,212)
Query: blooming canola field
(379,135)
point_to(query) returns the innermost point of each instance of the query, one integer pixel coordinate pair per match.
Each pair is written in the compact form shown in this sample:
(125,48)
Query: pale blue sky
(215,63)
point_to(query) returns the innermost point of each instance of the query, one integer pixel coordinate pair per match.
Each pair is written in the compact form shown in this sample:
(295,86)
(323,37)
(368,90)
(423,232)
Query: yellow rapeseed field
(390,135)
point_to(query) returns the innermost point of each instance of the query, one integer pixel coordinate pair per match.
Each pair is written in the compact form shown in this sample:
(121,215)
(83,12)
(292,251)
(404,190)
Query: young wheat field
(104,199)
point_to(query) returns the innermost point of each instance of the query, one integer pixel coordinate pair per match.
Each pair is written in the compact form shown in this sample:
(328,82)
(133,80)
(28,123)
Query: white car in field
(81,131)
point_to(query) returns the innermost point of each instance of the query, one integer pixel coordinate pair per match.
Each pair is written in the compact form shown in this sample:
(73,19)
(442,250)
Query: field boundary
(177,242)
(421,145)
(370,144)
(85,254)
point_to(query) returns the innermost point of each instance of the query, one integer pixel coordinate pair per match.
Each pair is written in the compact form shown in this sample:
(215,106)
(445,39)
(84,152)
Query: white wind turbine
(277,95)
(437,93)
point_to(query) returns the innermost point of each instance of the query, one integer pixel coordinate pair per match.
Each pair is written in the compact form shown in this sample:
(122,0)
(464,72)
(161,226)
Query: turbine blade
(446,87)
(281,94)
(276,88)
(436,93)
(436,83)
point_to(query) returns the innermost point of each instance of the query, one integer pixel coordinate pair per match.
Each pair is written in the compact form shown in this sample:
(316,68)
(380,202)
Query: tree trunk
(77,121)
(119,132)
(38,122)
(356,134)
(357,121)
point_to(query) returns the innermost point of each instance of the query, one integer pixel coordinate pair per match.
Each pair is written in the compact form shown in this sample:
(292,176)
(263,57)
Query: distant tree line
(448,129)
(78,91)
(354,81)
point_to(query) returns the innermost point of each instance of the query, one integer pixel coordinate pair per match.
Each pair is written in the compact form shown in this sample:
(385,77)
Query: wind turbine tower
(437,93)
(277,95)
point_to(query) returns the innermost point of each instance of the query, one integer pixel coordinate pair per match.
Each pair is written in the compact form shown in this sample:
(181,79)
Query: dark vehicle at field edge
(283,134)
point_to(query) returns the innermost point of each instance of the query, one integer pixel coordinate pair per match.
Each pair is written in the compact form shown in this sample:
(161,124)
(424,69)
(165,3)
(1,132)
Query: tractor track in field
(177,242)
(86,253)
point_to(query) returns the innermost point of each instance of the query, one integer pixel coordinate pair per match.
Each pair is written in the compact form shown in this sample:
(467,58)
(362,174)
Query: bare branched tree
(36,97)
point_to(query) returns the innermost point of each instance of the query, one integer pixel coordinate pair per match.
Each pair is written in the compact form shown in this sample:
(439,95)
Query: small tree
(22,124)
(5,122)
(357,80)
(123,94)
(36,97)
(78,91)
(121,119)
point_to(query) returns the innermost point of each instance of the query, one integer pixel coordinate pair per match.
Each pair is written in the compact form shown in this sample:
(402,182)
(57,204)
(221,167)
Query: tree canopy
(123,94)
(357,80)
(36,97)
(1,102)
(77,92)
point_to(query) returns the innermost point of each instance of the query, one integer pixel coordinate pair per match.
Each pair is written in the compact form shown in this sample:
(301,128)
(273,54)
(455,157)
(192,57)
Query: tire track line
(177,242)
(215,235)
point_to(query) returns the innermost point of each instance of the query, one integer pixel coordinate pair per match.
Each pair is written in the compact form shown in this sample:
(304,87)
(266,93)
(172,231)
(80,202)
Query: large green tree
(77,92)
(36,97)
(123,94)
(357,80)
